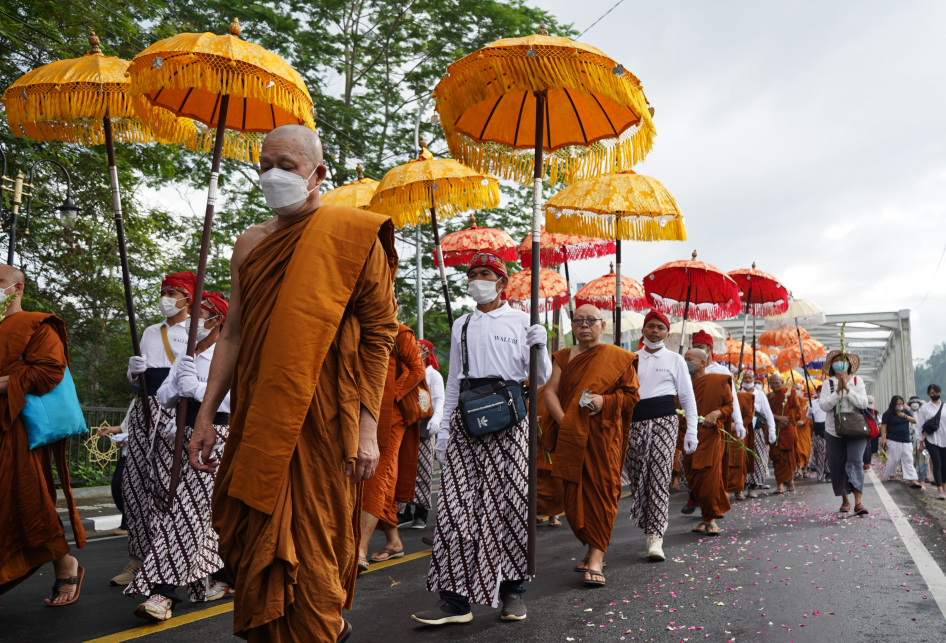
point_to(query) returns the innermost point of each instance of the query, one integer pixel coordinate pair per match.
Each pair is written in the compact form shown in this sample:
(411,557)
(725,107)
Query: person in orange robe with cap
(787,412)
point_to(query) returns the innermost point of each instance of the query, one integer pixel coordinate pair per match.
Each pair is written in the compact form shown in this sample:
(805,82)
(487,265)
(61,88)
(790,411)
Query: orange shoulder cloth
(332,251)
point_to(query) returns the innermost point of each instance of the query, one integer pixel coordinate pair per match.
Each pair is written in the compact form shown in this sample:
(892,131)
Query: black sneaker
(405,519)
(419,523)
(442,614)
(514,608)
(688,508)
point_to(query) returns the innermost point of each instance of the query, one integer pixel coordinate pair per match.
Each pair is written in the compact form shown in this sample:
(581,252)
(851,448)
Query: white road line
(932,574)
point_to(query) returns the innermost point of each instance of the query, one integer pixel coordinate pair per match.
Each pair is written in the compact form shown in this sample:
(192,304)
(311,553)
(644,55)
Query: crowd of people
(294,458)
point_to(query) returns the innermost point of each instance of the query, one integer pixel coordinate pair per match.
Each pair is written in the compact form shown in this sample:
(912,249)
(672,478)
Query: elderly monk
(397,468)
(588,434)
(786,409)
(704,467)
(305,351)
(34,355)
(802,433)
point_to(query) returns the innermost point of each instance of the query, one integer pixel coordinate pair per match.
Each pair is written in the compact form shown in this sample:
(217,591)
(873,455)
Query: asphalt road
(786,569)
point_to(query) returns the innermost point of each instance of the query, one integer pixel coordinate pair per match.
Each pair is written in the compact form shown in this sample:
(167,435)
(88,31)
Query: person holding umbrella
(489,357)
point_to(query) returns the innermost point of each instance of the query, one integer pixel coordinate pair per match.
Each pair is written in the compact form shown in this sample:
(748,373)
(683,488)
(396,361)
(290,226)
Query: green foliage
(368,65)
(931,371)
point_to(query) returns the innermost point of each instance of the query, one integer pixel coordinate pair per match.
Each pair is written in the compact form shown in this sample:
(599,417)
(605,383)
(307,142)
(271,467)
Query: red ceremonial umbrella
(601,293)
(762,294)
(553,291)
(679,286)
(460,246)
(798,355)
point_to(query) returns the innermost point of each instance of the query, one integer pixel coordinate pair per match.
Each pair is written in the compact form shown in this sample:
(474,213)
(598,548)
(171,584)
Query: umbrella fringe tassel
(410,205)
(627,228)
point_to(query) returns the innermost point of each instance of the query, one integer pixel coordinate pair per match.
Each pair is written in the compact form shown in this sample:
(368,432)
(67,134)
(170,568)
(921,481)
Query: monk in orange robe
(787,412)
(34,354)
(305,349)
(735,463)
(394,478)
(704,467)
(802,433)
(589,441)
(549,492)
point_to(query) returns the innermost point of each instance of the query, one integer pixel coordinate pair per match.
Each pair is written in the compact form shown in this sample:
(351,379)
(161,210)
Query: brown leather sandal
(73,580)
(388,553)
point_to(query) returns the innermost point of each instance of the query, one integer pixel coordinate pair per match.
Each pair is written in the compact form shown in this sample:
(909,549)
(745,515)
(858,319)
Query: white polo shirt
(665,373)
(496,342)
(169,394)
(152,345)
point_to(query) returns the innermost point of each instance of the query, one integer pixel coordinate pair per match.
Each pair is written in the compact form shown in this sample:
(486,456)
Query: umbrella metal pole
(617,292)
(420,287)
(804,363)
(443,270)
(571,300)
(745,322)
(199,289)
(686,312)
(534,351)
(123,257)
(753,343)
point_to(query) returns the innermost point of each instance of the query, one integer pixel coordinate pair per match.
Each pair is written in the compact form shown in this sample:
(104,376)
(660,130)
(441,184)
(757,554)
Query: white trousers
(900,453)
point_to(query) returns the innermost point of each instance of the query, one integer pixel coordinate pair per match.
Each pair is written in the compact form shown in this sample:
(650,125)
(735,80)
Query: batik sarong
(649,463)
(760,470)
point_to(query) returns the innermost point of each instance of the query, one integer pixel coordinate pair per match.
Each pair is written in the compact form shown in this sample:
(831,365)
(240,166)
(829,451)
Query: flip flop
(557,523)
(713,534)
(699,529)
(391,555)
(584,561)
(362,565)
(594,583)
(73,580)
(346,634)
(778,493)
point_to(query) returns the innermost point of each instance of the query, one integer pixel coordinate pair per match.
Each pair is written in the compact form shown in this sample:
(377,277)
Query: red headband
(431,358)
(186,282)
(702,337)
(215,304)
(491,261)
(656,314)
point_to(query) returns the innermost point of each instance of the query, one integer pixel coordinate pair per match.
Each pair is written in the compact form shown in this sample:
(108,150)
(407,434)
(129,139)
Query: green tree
(930,371)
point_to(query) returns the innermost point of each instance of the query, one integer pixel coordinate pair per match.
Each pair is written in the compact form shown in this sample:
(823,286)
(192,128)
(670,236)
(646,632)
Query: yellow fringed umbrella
(228,85)
(524,108)
(427,189)
(356,194)
(619,207)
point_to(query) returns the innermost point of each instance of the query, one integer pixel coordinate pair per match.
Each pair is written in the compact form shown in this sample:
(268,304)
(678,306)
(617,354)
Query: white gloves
(137,365)
(440,450)
(771,436)
(536,336)
(690,442)
(740,432)
(187,382)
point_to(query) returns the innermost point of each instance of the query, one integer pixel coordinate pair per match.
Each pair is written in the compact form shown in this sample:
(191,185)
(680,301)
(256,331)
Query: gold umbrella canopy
(68,100)
(624,207)
(189,73)
(596,118)
(356,194)
(409,193)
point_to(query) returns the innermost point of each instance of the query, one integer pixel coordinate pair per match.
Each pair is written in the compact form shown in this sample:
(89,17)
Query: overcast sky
(808,137)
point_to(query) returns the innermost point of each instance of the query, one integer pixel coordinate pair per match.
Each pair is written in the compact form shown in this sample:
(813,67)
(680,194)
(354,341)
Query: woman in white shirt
(934,442)
(845,455)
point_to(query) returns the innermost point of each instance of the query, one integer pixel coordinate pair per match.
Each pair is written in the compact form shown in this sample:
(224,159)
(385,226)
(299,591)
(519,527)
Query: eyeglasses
(585,322)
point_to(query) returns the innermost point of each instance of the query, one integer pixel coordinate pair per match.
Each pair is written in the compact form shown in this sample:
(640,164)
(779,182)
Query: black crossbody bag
(490,408)
(931,426)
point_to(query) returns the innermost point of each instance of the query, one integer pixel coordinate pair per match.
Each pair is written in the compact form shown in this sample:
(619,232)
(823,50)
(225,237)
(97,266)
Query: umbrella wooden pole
(804,362)
(198,290)
(123,258)
(753,343)
(443,270)
(617,292)
(686,312)
(571,300)
(534,351)
(745,323)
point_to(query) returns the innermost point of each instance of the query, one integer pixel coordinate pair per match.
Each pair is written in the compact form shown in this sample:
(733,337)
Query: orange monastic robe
(803,436)
(31,535)
(785,402)
(704,467)
(393,480)
(735,464)
(549,492)
(588,451)
(318,325)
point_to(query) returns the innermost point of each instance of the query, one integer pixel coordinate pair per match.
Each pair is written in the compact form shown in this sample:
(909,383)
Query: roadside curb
(86,492)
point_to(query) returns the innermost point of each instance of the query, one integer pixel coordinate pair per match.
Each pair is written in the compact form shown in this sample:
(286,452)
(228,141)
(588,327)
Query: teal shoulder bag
(54,416)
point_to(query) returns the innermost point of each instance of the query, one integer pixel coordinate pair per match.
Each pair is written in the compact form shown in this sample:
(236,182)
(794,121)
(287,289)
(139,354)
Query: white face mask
(202,332)
(653,345)
(748,386)
(914,406)
(482,291)
(169,307)
(899,407)
(285,192)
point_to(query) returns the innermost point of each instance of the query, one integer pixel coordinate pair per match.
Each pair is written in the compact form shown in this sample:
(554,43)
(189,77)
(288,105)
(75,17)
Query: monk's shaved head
(587,333)
(588,311)
(298,138)
(698,355)
(10,275)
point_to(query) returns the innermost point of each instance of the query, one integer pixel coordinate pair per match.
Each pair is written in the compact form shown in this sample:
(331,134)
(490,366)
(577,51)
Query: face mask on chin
(483,292)
(169,307)
(285,192)
(653,345)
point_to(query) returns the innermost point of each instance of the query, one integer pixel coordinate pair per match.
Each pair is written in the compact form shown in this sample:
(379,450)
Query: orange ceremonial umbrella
(795,356)
(356,194)
(459,247)
(741,356)
(552,295)
(602,293)
(226,84)
(522,108)
(425,189)
(782,338)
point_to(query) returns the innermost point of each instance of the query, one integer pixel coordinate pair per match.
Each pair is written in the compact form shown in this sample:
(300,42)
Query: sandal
(73,580)
(710,531)
(555,522)
(388,553)
(699,529)
(362,565)
(740,496)
(594,583)
(584,561)
(346,633)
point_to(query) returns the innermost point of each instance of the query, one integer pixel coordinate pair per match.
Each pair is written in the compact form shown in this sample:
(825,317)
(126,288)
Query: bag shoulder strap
(167,343)
(464,352)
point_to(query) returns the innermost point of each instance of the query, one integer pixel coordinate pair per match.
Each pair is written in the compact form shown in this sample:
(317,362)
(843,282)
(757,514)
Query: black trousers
(873,446)
(937,462)
(117,489)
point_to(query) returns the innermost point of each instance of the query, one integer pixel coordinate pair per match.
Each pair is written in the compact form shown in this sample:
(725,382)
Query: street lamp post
(67,209)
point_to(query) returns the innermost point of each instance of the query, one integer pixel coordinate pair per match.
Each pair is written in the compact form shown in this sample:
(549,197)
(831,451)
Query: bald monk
(589,442)
(802,433)
(704,467)
(32,534)
(735,458)
(399,444)
(786,409)
(549,492)
(305,350)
